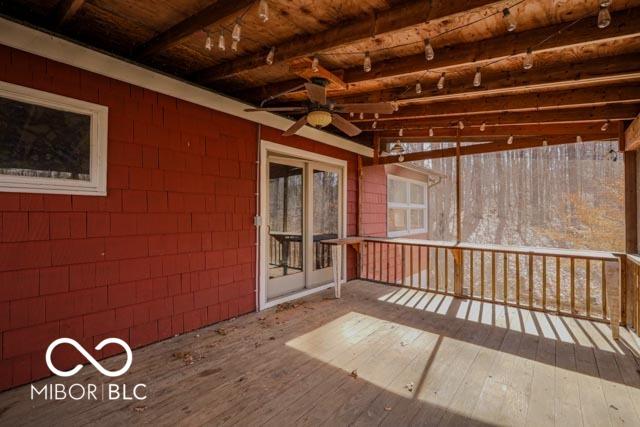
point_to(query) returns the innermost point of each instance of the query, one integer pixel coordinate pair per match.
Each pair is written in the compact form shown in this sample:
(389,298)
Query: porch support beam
(208,16)
(632,135)
(405,16)
(491,147)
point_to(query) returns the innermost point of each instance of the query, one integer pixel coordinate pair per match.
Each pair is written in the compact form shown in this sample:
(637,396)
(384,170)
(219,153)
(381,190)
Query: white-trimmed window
(51,143)
(406,206)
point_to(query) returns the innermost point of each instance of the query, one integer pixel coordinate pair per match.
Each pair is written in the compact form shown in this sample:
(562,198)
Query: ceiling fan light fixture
(319,118)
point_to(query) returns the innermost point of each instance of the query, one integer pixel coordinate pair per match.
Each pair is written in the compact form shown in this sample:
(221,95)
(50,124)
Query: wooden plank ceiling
(584,81)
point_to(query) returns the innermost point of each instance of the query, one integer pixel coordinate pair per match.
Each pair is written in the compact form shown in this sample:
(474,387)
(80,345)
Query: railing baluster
(558,278)
(446,270)
(419,267)
(544,282)
(437,270)
(493,276)
(573,285)
(482,275)
(471,257)
(517,279)
(380,261)
(505,283)
(604,289)
(530,280)
(388,261)
(402,278)
(428,269)
(588,286)
(411,264)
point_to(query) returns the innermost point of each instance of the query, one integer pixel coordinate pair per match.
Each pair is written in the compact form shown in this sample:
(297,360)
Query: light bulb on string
(604,17)
(460,124)
(366,65)
(270,56)
(527,64)
(396,107)
(440,84)
(221,42)
(351,114)
(510,140)
(428,50)
(401,132)
(509,20)
(401,158)
(263,10)
(605,3)
(315,64)
(477,78)
(208,42)
(234,45)
(361,116)
(483,126)
(418,88)
(578,139)
(237,31)
(374,124)
(430,131)
(544,142)
(605,126)
(376,116)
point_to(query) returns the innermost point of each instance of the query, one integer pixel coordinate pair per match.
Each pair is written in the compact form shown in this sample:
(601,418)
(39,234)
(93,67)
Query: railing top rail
(556,252)
(634,258)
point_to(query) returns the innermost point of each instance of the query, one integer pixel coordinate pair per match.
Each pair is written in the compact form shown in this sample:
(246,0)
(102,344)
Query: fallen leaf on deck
(221,331)
(354,373)
(409,386)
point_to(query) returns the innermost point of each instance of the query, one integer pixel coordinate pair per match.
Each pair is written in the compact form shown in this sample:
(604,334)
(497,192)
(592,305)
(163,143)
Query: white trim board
(55,48)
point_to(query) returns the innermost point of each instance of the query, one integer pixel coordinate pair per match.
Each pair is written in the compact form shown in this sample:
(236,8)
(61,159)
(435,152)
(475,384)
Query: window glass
(417,194)
(397,191)
(417,219)
(406,207)
(397,220)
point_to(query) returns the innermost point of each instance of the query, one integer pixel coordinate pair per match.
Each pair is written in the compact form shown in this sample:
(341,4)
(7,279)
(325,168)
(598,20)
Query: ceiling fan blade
(296,126)
(317,93)
(345,125)
(277,109)
(374,107)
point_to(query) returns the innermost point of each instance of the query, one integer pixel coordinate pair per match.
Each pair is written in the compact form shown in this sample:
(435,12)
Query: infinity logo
(90,358)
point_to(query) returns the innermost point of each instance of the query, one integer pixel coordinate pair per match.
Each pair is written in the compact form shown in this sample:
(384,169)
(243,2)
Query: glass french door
(303,208)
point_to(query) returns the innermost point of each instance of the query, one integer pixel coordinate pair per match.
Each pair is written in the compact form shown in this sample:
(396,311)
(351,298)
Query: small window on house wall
(406,207)
(50,143)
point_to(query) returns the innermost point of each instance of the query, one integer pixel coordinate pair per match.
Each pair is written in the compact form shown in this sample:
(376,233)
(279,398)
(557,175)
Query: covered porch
(380,355)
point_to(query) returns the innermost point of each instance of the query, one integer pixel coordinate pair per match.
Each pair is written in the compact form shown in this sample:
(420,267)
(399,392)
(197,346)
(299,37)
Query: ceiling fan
(320,112)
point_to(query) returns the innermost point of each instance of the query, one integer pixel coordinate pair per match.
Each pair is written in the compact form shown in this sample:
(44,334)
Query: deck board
(420,359)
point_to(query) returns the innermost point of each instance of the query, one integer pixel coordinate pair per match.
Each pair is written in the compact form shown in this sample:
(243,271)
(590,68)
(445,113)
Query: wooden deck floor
(378,356)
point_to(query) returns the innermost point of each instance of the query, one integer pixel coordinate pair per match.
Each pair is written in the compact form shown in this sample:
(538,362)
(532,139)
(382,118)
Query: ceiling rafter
(403,17)
(65,10)
(213,13)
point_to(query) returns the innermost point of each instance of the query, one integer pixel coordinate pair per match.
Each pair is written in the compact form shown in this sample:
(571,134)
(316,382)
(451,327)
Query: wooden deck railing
(578,283)
(633,292)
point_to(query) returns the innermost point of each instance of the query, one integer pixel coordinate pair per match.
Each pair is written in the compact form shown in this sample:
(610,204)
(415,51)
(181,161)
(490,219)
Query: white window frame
(97,184)
(408,206)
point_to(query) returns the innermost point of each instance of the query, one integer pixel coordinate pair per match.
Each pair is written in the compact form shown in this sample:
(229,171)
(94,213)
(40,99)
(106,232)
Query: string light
(401,132)
(207,42)
(418,88)
(510,140)
(396,107)
(604,17)
(237,31)
(460,125)
(605,126)
(221,43)
(527,64)
(440,84)
(578,139)
(234,45)
(428,50)
(376,116)
(367,62)
(374,125)
(477,79)
(351,114)
(430,131)
(271,55)
(315,64)
(483,126)
(605,3)
(509,20)
(544,142)
(401,158)
(263,11)
(361,116)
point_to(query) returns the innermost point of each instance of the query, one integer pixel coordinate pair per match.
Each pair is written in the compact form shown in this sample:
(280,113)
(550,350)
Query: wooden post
(376,148)
(458,196)
(630,224)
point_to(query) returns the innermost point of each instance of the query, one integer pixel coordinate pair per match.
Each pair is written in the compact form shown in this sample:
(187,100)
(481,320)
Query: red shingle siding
(374,201)
(171,248)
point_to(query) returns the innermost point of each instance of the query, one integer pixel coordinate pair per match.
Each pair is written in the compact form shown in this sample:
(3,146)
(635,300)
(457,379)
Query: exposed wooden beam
(491,147)
(632,135)
(65,10)
(402,17)
(624,24)
(574,115)
(605,70)
(570,98)
(213,13)
(473,131)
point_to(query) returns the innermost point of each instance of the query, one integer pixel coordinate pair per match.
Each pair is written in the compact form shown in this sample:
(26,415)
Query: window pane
(397,219)
(417,219)
(42,142)
(326,209)
(417,194)
(397,191)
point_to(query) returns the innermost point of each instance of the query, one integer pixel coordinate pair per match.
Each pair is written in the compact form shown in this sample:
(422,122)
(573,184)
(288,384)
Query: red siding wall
(171,248)
(374,201)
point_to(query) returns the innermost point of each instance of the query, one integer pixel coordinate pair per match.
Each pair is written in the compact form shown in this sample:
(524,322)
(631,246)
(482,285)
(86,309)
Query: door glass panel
(285,220)
(325,215)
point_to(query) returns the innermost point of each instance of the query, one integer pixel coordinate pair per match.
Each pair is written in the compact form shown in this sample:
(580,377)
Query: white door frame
(271,148)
